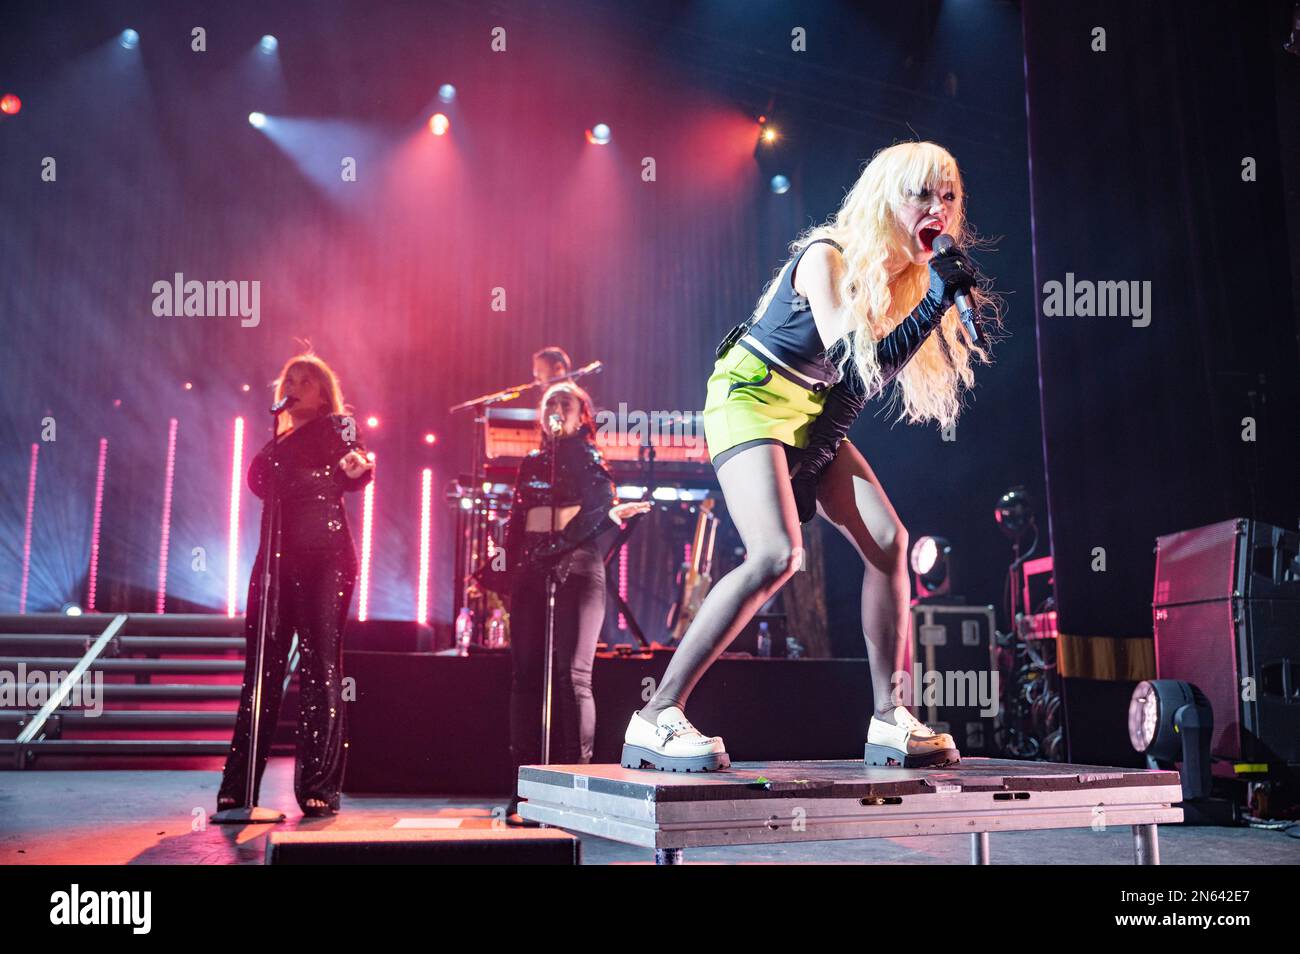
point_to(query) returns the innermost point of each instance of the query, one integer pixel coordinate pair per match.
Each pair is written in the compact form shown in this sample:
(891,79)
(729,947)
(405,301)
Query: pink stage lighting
(27,533)
(422,593)
(236,485)
(367,525)
(96,522)
(165,537)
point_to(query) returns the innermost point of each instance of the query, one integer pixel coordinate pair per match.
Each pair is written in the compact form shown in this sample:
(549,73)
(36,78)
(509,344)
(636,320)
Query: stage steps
(167,685)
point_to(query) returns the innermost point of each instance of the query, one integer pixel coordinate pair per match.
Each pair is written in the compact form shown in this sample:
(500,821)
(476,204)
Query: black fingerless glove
(844,402)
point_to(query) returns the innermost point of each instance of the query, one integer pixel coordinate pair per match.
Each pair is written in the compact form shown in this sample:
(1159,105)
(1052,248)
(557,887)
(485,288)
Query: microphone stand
(251,813)
(551,586)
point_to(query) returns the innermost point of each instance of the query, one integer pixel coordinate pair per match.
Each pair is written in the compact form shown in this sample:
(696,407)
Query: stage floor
(51,816)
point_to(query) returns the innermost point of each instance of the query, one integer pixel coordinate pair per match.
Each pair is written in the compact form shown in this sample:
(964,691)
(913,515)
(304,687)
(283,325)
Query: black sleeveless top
(785,336)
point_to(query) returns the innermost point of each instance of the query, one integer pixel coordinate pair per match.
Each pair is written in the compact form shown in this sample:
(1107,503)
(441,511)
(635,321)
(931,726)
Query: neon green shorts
(747,401)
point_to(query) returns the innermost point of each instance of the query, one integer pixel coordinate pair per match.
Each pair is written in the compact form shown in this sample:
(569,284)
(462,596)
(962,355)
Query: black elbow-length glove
(845,400)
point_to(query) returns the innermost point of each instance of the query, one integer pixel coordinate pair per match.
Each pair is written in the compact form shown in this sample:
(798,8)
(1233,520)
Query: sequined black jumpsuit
(310,595)
(581,479)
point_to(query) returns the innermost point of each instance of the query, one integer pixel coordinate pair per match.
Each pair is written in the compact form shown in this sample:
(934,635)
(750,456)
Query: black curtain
(1137,155)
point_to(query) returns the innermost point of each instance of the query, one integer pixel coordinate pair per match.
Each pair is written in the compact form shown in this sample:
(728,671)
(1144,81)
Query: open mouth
(928,234)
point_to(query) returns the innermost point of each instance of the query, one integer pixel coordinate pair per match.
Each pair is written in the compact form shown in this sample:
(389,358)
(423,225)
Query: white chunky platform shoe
(672,744)
(910,744)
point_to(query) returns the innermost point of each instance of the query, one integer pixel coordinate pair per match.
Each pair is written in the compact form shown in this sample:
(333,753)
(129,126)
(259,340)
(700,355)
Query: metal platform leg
(1146,846)
(668,856)
(979,847)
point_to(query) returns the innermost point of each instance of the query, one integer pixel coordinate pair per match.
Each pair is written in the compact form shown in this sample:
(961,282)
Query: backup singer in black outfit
(585,506)
(314,457)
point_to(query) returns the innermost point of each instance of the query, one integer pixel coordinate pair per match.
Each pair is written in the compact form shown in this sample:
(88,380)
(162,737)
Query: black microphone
(283,404)
(556,424)
(944,246)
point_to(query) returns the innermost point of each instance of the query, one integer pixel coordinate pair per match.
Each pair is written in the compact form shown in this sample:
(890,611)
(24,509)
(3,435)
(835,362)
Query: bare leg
(756,486)
(850,496)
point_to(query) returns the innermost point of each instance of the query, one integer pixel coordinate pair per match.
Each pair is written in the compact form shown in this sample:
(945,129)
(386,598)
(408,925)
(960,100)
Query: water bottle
(764,641)
(464,630)
(496,630)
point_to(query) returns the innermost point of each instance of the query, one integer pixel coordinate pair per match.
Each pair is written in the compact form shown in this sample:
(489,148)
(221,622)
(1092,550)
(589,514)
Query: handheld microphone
(283,404)
(556,424)
(944,246)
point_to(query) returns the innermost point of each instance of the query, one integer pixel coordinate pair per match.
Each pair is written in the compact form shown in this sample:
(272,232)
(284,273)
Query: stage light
(129,39)
(929,560)
(599,135)
(372,421)
(367,538)
(431,438)
(769,134)
(10,104)
(446,92)
(439,124)
(422,575)
(188,385)
(164,540)
(27,531)
(466,503)
(71,609)
(780,184)
(246,388)
(96,523)
(257,120)
(268,44)
(1169,722)
(1015,514)
(232,547)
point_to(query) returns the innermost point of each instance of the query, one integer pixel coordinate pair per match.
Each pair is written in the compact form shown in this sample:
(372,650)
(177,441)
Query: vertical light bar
(236,487)
(93,577)
(165,537)
(27,533)
(622,582)
(422,595)
(367,521)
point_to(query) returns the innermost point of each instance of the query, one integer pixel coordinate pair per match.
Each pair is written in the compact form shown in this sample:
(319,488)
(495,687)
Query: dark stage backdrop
(393,276)
(1137,157)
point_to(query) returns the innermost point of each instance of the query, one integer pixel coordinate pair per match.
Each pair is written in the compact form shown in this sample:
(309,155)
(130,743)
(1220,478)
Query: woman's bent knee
(774,565)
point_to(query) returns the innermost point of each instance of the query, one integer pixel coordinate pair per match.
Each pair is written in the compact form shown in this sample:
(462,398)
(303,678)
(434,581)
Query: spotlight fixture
(446,92)
(1171,722)
(929,560)
(10,104)
(439,124)
(71,609)
(268,44)
(129,39)
(372,421)
(1015,514)
(257,120)
(769,134)
(780,184)
(599,135)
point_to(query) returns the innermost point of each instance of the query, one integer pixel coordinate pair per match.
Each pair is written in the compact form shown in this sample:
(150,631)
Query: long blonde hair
(325,377)
(930,386)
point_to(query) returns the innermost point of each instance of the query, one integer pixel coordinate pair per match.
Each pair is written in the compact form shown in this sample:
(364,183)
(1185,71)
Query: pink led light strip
(236,486)
(27,533)
(93,577)
(422,594)
(165,538)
